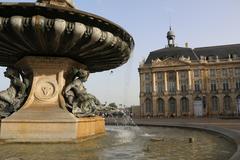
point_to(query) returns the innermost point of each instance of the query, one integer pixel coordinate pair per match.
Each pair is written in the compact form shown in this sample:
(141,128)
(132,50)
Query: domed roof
(170,34)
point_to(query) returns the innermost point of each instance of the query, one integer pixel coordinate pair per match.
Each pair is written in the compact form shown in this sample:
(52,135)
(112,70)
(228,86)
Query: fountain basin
(39,29)
(131,143)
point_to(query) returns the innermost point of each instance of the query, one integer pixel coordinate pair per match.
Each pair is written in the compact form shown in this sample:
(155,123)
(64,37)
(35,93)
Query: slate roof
(222,52)
(174,52)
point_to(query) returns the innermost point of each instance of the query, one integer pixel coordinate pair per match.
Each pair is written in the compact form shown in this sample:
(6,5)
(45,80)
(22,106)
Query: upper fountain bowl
(45,29)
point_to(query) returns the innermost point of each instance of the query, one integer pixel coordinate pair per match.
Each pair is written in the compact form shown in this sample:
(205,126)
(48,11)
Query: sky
(199,22)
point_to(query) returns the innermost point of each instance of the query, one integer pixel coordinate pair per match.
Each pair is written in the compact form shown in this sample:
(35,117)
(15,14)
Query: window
(183,75)
(172,105)
(197,85)
(160,79)
(172,81)
(160,87)
(148,106)
(224,72)
(237,72)
(213,85)
(183,81)
(184,105)
(160,105)
(225,85)
(147,77)
(147,87)
(160,75)
(227,103)
(183,86)
(238,84)
(214,104)
(212,72)
(196,72)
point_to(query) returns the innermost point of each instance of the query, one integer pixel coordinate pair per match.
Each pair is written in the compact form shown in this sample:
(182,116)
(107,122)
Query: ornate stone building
(181,81)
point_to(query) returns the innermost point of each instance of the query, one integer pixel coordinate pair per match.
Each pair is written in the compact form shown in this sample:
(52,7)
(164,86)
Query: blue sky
(198,22)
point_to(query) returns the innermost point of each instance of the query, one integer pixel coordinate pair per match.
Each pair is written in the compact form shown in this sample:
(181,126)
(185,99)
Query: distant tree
(113,105)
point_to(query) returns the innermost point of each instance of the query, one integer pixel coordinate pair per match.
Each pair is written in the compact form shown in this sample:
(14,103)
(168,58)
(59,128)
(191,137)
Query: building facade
(181,81)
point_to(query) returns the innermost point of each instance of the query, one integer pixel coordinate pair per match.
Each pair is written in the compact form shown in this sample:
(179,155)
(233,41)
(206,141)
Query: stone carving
(78,101)
(46,90)
(171,61)
(12,98)
(64,40)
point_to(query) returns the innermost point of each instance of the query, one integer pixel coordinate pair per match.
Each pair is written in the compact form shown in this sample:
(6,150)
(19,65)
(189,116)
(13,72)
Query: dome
(170,34)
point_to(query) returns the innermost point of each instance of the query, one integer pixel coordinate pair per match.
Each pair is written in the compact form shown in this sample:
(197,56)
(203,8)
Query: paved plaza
(232,124)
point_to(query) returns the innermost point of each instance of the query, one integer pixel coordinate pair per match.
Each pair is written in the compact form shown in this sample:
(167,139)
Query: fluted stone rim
(36,29)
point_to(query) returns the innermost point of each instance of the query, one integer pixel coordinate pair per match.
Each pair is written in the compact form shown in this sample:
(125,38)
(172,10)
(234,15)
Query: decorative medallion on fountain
(46,90)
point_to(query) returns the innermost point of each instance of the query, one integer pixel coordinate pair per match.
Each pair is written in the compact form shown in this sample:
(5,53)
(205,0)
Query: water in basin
(130,143)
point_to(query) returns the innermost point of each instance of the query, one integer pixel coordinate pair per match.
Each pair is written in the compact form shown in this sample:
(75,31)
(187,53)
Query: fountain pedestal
(44,117)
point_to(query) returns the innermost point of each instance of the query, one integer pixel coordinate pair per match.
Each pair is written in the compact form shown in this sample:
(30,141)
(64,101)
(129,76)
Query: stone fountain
(49,49)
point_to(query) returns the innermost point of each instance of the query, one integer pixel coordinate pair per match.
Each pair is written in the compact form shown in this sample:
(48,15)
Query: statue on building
(12,98)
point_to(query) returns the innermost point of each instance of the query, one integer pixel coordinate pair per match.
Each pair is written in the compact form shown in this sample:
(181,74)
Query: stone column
(177,81)
(154,82)
(165,82)
(189,80)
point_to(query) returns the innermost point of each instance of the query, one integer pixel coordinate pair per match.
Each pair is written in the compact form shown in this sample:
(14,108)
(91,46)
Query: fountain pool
(130,143)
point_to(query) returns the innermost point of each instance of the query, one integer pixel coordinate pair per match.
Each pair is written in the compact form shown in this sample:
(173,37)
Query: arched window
(148,106)
(160,105)
(184,104)
(215,104)
(227,103)
(172,105)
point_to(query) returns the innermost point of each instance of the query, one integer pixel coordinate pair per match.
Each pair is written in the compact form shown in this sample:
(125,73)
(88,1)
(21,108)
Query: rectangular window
(160,75)
(225,85)
(172,86)
(147,77)
(183,87)
(213,85)
(197,85)
(160,79)
(160,87)
(212,73)
(237,72)
(183,75)
(183,81)
(238,84)
(148,88)
(224,72)
(172,81)
(196,72)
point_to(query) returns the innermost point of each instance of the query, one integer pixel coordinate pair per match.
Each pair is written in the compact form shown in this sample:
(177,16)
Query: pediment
(171,62)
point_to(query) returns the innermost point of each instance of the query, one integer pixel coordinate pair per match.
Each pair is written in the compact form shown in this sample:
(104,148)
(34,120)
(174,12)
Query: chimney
(186,44)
